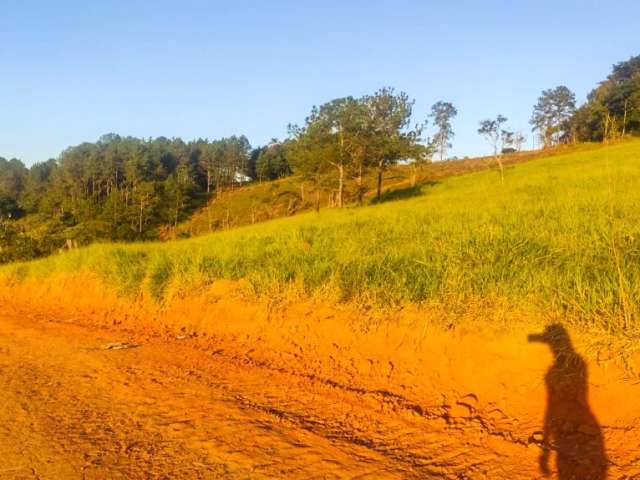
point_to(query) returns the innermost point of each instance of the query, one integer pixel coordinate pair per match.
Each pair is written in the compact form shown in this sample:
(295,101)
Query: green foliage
(9,208)
(492,130)
(561,236)
(114,189)
(16,245)
(129,189)
(442,113)
(12,177)
(613,108)
(349,135)
(552,114)
(272,161)
(160,273)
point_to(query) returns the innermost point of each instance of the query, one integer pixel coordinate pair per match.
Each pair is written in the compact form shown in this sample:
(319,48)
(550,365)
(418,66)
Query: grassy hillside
(259,202)
(561,236)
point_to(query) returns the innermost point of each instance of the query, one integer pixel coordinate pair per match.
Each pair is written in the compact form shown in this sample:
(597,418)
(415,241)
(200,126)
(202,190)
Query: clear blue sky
(71,71)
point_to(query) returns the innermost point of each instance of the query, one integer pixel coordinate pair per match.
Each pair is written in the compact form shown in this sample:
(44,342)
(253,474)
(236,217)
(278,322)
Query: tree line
(124,184)
(126,188)
(611,112)
(118,188)
(612,109)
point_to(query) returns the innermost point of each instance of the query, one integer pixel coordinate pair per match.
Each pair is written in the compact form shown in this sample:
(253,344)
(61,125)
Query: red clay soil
(245,393)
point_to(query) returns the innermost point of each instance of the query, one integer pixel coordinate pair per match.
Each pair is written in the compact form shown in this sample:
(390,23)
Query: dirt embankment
(217,387)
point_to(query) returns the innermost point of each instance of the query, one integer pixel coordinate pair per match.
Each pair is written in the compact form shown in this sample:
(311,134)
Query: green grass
(561,235)
(259,202)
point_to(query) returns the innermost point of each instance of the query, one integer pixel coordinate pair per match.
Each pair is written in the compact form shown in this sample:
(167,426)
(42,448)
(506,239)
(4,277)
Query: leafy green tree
(389,135)
(306,151)
(272,162)
(237,151)
(349,135)
(8,208)
(216,150)
(13,175)
(419,157)
(552,114)
(442,114)
(332,135)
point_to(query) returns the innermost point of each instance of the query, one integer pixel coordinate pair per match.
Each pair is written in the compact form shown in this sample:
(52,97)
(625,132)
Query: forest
(131,189)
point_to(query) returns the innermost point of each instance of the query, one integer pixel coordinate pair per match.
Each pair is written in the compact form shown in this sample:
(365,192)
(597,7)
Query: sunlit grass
(562,235)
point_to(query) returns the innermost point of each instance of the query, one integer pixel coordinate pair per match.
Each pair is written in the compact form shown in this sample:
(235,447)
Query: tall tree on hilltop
(333,134)
(551,115)
(305,147)
(13,179)
(388,128)
(349,135)
(13,175)
(442,114)
(492,130)
(207,163)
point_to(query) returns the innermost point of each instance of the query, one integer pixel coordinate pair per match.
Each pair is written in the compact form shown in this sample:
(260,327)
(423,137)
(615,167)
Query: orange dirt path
(177,407)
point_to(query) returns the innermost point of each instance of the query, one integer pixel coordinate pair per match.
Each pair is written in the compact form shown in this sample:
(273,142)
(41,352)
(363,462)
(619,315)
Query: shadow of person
(570,428)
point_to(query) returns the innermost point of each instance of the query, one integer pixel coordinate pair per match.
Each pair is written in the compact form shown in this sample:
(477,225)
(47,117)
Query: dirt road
(71,407)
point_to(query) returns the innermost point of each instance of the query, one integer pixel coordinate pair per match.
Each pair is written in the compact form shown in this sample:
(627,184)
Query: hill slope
(258,202)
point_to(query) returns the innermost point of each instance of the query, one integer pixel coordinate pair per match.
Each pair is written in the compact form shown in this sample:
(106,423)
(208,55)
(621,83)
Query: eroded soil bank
(214,386)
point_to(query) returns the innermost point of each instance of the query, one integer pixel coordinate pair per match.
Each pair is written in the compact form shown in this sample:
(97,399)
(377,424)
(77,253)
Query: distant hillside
(262,201)
(85,196)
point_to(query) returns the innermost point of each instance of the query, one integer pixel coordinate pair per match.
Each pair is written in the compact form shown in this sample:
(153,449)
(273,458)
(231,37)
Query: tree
(305,150)
(207,162)
(507,138)
(552,114)
(442,113)
(511,141)
(216,152)
(492,130)
(349,135)
(519,140)
(613,108)
(237,151)
(271,161)
(390,137)
(8,208)
(420,156)
(13,174)
(333,136)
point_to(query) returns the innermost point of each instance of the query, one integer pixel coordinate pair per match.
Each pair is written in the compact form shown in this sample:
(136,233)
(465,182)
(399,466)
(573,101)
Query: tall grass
(562,234)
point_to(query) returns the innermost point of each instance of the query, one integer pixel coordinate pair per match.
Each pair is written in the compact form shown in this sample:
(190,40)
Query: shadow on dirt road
(570,427)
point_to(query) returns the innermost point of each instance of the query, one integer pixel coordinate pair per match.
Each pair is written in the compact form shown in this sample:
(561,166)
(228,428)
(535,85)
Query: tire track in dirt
(72,428)
(87,413)
(169,411)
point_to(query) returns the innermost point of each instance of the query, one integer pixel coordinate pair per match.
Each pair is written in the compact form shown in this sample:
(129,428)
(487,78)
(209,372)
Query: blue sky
(71,71)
